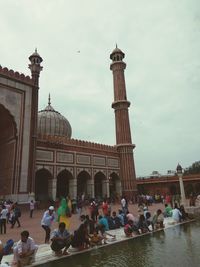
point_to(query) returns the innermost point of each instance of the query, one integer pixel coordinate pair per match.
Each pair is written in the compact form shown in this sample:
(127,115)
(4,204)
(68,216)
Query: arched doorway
(42,177)
(99,189)
(189,189)
(63,184)
(83,185)
(173,189)
(7,151)
(114,186)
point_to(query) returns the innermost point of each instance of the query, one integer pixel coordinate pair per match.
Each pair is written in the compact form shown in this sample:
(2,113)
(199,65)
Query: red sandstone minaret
(122,125)
(35,68)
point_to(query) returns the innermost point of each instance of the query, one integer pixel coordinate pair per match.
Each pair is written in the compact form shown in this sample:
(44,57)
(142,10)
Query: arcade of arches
(7,151)
(173,188)
(66,185)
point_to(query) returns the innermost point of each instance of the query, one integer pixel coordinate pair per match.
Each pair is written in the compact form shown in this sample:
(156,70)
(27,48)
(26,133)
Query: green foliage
(194,169)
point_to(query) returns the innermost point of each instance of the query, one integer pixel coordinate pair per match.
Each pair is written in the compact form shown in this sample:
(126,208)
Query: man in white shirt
(32,207)
(176,214)
(47,220)
(124,205)
(25,250)
(3,216)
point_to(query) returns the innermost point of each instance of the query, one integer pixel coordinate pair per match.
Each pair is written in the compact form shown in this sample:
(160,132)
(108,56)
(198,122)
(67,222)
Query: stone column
(105,188)
(118,188)
(183,198)
(180,176)
(90,187)
(73,188)
(52,188)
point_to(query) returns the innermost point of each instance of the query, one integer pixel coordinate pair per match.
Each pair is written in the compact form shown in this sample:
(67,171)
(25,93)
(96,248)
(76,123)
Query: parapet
(59,140)
(15,75)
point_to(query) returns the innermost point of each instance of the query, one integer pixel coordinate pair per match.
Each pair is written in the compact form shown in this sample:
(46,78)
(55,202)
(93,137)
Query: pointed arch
(42,178)
(83,185)
(8,146)
(114,186)
(99,178)
(63,183)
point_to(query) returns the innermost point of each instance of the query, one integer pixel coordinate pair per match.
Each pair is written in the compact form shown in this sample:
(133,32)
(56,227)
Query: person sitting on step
(61,239)
(25,250)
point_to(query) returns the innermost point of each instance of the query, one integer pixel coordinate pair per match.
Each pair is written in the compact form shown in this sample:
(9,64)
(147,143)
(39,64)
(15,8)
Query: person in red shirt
(105,207)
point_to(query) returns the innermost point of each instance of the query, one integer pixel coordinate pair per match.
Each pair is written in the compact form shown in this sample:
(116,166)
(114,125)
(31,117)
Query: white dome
(51,122)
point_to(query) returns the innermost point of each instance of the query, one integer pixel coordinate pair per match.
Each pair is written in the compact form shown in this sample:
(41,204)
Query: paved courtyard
(34,227)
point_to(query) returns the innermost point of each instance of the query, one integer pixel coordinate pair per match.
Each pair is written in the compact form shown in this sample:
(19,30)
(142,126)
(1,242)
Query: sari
(63,213)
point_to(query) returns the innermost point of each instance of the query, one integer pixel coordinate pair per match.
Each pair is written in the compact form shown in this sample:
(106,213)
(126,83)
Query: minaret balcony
(121,104)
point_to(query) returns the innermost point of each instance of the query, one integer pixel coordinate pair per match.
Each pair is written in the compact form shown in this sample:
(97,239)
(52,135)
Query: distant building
(155,174)
(171,173)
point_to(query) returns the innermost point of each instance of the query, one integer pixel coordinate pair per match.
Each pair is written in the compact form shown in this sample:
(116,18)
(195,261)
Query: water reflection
(176,246)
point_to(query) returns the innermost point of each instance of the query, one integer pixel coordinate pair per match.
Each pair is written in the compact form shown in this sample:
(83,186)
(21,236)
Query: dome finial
(35,50)
(49,100)
(116,45)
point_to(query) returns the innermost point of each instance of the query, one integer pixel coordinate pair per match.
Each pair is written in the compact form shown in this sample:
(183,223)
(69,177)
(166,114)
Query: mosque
(38,154)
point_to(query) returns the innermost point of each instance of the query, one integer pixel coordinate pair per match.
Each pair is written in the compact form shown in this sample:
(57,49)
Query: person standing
(3,216)
(105,207)
(8,205)
(32,207)
(47,219)
(124,205)
(69,204)
(94,210)
(17,215)
(79,206)
(63,213)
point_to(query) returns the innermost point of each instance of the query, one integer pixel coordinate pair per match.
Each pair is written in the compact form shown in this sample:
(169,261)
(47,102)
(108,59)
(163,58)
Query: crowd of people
(93,228)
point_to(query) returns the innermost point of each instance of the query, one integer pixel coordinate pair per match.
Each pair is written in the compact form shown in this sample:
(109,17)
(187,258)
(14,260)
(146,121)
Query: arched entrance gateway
(8,142)
(100,190)
(83,184)
(42,178)
(64,179)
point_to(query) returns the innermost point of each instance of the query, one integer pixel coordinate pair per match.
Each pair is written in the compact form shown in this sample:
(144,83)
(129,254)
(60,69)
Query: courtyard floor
(33,225)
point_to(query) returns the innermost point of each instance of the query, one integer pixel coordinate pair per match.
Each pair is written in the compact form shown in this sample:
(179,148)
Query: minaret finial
(49,100)
(35,50)
(116,45)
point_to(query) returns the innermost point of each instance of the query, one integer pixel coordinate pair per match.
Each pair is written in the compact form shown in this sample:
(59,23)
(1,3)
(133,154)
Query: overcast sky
(161,42)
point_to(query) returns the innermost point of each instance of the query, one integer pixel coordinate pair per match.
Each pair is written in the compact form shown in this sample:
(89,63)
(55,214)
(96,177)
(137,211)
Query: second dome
(51,122)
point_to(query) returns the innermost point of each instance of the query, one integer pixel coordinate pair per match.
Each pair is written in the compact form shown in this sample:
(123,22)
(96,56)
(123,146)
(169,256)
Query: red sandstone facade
(51,165)
(169,185)
(16,145)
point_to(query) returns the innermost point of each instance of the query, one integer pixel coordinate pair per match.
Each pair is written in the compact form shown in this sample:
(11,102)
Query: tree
(194,169)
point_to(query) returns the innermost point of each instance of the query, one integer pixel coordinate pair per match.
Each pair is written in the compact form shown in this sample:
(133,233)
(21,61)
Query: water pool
(176,246)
